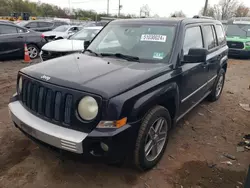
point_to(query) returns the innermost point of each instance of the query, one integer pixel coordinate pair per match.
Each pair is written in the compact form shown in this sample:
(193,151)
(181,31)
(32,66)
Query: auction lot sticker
(153,38)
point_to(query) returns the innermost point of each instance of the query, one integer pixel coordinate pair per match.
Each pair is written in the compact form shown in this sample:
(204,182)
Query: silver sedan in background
(61,32)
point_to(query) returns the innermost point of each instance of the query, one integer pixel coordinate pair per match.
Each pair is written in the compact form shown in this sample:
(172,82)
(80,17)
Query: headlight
(20,85)
(88,108)
(247,43)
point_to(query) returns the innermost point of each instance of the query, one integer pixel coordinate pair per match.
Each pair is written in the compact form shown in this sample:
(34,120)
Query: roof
(170,21)
(7,23)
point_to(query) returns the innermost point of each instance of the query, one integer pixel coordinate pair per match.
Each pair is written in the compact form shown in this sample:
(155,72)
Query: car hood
(106,77)
(64,45)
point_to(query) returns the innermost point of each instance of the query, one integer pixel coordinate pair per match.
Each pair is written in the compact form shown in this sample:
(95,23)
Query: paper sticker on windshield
(154,38)
(158,55)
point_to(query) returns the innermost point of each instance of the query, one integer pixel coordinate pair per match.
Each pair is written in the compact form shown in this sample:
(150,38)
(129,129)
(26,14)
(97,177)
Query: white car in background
(73,44)
(61,32)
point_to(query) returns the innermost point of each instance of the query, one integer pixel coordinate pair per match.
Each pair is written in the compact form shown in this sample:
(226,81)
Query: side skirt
(182,115)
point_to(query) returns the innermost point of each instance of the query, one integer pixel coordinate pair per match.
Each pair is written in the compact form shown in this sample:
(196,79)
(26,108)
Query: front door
(193,83)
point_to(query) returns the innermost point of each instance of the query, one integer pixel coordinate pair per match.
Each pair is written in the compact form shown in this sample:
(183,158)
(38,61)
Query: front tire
(218,87)
(152,138)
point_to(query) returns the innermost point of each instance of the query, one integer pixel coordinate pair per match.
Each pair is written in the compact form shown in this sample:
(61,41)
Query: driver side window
(193,39)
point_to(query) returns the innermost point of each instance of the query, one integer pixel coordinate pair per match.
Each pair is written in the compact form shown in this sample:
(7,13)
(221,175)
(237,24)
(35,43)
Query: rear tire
(218,87)
(33,51)
(152,138)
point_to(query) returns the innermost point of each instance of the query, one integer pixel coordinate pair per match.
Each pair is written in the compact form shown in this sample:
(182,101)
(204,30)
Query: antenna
(119,8)
(107,7)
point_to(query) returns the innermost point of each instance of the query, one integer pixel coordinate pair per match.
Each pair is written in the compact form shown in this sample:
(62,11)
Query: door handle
(20,37)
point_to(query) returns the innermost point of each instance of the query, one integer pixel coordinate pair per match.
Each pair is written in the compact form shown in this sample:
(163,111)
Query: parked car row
(74,43)
(41,26)
(14,36)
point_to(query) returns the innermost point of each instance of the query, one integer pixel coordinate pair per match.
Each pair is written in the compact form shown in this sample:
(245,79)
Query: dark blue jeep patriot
(122,95)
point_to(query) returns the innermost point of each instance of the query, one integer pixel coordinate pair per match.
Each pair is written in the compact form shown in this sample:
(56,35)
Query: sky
(160,7)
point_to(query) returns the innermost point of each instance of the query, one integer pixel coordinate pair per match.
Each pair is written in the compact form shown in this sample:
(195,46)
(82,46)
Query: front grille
(237,45)
(56,104)
(47,55)
(46,102)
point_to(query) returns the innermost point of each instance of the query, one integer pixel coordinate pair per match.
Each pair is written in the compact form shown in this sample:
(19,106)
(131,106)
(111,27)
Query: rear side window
(57,24)
(45,24)
(220,34)
(32,25)
(209,37)
(6,29)
(193,39)
(60,23)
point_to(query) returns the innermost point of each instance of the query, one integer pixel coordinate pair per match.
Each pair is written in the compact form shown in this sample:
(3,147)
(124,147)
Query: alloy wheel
(33,52)
(219,85)
(156,138)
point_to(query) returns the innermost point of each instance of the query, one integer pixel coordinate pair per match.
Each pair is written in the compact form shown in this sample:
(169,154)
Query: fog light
(104,146)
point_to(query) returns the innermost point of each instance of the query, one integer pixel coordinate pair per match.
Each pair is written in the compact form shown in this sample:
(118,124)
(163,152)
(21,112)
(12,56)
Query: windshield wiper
(122,56)
(90,51)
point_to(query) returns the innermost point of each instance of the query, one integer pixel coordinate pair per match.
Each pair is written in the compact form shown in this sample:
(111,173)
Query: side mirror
(196,55)
(86,44)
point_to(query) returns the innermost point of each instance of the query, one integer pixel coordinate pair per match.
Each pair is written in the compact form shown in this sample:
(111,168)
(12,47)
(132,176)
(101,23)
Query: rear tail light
(42,36)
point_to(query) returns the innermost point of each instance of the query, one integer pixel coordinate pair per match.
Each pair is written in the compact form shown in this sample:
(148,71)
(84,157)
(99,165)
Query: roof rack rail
(203,17)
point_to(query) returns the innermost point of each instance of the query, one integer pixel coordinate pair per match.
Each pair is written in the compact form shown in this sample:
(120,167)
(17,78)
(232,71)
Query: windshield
(85,34)
(239,30)
(146,42)
(62,28)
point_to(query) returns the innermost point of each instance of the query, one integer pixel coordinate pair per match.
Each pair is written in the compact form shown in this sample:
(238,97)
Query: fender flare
(223,61)
(142,104)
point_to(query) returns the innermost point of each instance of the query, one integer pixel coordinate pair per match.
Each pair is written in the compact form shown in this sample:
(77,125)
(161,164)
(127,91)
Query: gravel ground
(193,158)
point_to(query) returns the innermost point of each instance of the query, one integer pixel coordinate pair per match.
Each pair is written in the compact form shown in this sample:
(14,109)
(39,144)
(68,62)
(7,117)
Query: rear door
(33,25)
(11,42)
(45,26)
(216,49)
(194,77)
(222,50)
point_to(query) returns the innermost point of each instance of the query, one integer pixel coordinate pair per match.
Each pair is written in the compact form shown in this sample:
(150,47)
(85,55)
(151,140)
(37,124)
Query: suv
(238,37)
(120,97)
(41,25)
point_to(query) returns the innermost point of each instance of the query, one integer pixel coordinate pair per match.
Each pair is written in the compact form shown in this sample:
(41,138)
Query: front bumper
(239,52)
(44,131)
(64,139)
